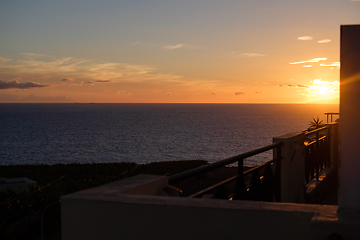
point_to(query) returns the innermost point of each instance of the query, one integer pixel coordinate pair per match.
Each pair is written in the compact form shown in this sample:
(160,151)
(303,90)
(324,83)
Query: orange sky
(172,52)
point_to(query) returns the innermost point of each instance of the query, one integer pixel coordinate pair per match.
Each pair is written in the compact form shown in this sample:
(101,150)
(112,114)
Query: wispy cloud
(40,65)
(252,54)
(293,85)
(172,47)
(67,80)
(4,59)
(332,65)
(39,70)
(124,93)
(307,66)
(317,59)
(314,60)
(99,81)
(17,85)
(305,38)
(239,93)
(324,41)
(103,81)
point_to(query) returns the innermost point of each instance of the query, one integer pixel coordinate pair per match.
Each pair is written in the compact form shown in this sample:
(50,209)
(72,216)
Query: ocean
(143,133)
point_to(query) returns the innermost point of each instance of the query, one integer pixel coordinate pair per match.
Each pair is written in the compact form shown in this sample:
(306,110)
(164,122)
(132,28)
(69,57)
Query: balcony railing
(331,116)
(260,183)
(298,161)
(317,152)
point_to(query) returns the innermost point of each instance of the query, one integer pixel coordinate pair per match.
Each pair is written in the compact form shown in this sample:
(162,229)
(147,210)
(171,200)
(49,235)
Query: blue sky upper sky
(171,51)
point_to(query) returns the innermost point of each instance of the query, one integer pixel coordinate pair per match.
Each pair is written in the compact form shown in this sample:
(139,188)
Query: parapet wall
(120,211)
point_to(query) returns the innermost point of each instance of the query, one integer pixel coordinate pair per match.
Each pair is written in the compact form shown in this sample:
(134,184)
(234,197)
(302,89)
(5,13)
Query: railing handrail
(331,114)
(316,130)
(221,163)
(234,177)
(316,153)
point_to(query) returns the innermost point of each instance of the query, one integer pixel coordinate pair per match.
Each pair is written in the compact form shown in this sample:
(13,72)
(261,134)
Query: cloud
(305,38)
(258,92)
(317,59)
(252,54)
(67,80)
(40,68)
(293,63)
(99,81)
(334,65)
(39,65)
(15,84)
(4,59)
(293,85)
(307,66)
(324,41)
(172,47)
(103,81)
(124,93)
(310,61)
(239,93)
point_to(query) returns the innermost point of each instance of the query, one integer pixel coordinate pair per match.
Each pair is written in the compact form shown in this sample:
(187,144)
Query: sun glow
(321,90)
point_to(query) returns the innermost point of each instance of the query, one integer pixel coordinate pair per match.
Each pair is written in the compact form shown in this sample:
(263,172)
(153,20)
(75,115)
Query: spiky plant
(316,123)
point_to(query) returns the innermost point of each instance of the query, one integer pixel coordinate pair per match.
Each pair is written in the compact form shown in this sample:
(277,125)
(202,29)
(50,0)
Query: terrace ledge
(137,208)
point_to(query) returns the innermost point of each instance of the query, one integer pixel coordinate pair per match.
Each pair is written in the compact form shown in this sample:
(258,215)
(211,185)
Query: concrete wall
(107,212)
(292,167)
(349,177)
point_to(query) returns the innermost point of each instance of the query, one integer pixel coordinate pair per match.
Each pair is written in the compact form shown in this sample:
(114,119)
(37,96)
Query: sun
(320,90)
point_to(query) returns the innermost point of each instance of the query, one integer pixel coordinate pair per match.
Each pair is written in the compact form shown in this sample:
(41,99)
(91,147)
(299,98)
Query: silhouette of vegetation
(315,124)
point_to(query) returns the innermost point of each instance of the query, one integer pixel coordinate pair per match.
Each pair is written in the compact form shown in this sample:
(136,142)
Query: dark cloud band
(17,85)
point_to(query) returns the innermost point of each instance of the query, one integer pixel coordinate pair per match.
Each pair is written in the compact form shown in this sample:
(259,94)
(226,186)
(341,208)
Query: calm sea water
(143,133)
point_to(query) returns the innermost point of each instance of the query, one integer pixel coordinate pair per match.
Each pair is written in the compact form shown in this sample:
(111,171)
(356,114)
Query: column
(349,171)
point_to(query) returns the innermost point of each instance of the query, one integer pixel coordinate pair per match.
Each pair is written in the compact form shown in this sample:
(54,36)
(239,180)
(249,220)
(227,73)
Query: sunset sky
(155,51)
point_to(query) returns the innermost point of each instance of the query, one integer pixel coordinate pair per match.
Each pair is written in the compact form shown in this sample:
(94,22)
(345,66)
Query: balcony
(253,203)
